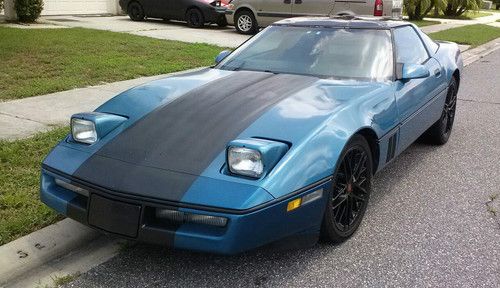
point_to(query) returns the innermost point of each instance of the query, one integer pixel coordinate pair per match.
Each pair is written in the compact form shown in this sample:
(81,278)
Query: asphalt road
(427,223)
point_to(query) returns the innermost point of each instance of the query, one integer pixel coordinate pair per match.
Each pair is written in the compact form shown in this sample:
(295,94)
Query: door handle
(437,72)
(298,1)
(287,1)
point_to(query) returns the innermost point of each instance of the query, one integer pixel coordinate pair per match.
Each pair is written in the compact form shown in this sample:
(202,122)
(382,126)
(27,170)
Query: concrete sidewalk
(452,23)
(154,28)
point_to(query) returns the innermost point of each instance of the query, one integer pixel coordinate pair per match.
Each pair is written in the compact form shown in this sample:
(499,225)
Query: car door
(340,6)
(269,11)
(158,8)
(416,99)
(312,7)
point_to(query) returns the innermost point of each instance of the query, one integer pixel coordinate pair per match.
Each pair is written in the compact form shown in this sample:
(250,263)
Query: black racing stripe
(173,144)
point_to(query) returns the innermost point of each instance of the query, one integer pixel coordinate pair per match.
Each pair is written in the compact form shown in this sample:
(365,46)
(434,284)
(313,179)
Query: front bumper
(245,229)
(214,13)
(229,16)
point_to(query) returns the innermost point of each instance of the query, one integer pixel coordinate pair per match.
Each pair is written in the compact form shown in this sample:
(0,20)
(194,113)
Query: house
(69,7)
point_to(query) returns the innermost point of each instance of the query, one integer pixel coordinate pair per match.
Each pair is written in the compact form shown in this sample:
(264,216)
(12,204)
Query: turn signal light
(294,204)
(308,198)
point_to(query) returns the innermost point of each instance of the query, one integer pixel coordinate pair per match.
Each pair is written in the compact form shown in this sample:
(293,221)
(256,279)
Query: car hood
(178,129)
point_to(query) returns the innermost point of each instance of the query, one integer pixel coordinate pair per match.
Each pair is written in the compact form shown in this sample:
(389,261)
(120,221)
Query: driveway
(171,30)
(427,224)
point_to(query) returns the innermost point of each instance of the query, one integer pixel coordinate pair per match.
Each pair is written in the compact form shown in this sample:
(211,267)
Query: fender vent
(391,148)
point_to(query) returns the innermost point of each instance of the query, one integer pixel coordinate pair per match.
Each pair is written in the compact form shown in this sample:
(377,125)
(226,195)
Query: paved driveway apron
(427,223)
(172,30)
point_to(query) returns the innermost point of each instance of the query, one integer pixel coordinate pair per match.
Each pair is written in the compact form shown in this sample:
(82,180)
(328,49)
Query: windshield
(323,52)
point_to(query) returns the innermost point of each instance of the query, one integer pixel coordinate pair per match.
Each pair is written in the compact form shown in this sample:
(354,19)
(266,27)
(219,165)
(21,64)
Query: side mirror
(412,71)
(222,55)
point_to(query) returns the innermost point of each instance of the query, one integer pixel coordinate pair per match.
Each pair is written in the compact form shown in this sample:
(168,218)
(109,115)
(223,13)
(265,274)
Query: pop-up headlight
(83,131)
(87,128)
(253,157)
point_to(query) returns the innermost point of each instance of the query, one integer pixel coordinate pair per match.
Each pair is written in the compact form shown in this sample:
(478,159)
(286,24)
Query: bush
(28,10)
(1,5)
(418,9)
(458,7)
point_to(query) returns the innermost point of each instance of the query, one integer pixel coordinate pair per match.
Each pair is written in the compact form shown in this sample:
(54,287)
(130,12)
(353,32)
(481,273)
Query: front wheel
(350,191)
(440,132)
(222,22)
(245,22)
(194,18)
(135,11)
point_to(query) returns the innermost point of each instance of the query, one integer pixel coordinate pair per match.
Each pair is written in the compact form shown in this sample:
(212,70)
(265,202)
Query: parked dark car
(195,12)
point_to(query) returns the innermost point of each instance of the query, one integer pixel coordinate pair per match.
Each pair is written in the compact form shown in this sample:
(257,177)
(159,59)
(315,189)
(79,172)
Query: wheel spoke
(360,166)
(339,203)
(340,215)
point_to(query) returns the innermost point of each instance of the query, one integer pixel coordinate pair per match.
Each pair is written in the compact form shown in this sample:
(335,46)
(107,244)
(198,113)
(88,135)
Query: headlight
(83,131)
(245,161)
(89,127)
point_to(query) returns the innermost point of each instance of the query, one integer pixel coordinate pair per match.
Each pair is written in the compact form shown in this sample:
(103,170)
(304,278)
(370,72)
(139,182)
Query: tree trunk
(461,11)
(428,10)
(418,8)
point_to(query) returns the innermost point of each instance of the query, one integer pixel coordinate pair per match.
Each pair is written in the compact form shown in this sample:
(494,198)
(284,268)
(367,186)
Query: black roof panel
(344,21)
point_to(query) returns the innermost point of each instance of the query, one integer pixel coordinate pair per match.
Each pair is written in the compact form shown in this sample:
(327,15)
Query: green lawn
(21,211)
(40,61)
(473,35)
(422,23)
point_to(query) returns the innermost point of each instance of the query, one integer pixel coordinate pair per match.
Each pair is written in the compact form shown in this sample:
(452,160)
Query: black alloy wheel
(135,11)
(194,18)
(350,191)
(440,132)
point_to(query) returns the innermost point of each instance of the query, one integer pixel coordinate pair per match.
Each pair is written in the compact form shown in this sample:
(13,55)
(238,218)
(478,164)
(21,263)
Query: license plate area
(114,216)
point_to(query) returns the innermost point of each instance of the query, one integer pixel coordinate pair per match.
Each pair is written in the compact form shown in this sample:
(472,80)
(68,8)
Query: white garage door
(63,7)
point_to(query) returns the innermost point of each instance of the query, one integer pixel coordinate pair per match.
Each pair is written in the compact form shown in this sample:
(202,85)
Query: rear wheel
(439,133)
(194,18)
(135,11)
(350,191)
(245,22)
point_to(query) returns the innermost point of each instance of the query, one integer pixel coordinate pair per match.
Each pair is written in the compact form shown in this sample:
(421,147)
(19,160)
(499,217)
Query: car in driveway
(248,15)
(277,143)
(195,12)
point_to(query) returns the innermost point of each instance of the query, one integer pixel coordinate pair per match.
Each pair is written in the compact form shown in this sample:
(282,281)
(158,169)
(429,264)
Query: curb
(472,55)
(28,252)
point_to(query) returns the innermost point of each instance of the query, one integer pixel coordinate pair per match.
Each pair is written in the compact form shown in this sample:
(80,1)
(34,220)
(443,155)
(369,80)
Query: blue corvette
(277,143)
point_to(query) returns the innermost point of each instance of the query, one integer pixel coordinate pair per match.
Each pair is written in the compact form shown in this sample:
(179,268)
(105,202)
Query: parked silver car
(248,15)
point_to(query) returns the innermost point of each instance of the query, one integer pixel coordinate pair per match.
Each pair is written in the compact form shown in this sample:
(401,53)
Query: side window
(409,47)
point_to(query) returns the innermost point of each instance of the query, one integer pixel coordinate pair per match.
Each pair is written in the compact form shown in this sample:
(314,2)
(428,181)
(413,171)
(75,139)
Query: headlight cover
(83,131)
(89,127)
(253,157)
(245,161)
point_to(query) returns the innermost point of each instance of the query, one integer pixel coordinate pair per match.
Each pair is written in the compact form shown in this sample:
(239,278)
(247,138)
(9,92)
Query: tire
(350,192)
(195,18)
(135,11)
(439,132)
(222,22)
(245,22)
